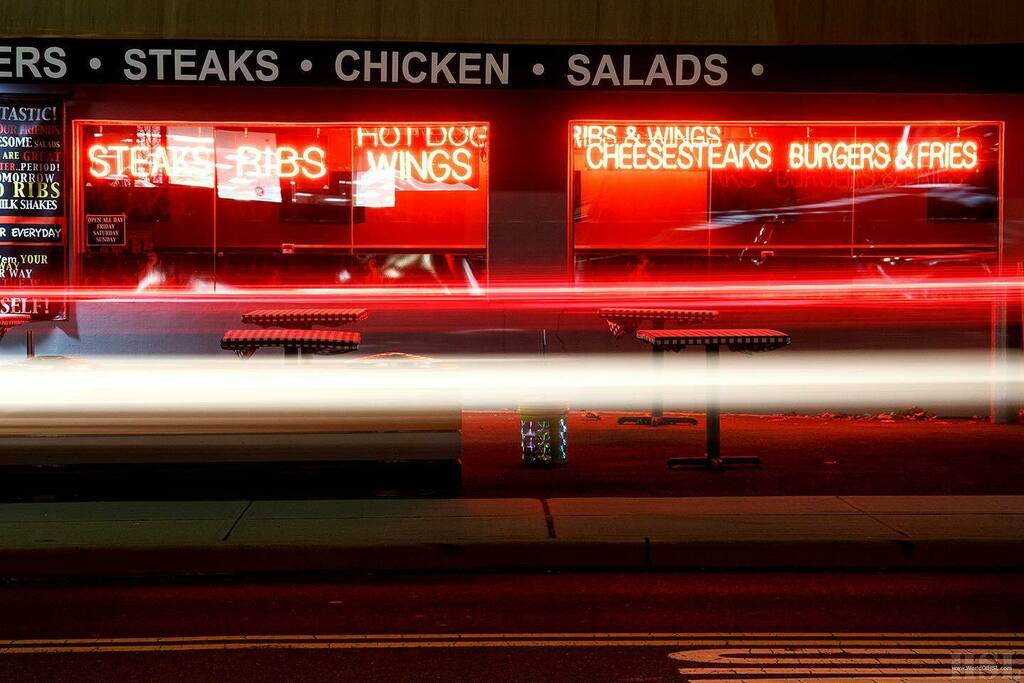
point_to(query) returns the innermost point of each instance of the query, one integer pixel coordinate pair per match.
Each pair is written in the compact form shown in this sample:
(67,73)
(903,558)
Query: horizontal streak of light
(202,388)
(947,292)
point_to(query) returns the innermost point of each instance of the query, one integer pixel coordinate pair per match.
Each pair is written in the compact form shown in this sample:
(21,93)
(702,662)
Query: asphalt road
(535,627)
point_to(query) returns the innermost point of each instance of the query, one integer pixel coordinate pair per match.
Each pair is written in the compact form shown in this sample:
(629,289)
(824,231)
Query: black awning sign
(362,64)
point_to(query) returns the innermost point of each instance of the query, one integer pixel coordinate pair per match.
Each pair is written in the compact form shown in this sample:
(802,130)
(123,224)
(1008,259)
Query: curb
(113,562)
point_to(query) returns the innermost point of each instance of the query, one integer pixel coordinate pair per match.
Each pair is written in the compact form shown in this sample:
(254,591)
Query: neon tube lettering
(187,164)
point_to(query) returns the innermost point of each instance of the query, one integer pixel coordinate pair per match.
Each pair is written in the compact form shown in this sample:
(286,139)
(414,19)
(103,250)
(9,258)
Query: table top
(741,339)
(665,313)
(623,321)
(9,320)
(234,340)
(275,317)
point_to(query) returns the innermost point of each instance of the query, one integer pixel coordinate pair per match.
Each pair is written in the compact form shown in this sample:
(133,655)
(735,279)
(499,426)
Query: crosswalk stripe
(915,662)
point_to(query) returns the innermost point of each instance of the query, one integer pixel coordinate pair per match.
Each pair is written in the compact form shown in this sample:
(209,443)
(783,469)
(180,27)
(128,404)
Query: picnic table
(292,329)
(750,340)
(623,321)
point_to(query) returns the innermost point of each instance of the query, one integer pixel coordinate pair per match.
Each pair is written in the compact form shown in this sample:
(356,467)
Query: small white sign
(247,166)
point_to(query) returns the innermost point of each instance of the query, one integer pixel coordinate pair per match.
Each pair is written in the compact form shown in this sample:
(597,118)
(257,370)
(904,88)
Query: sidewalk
(62,540)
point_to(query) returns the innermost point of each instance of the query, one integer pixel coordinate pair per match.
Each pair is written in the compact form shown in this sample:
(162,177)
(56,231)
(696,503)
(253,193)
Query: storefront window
(147,224)
(205,206)
(655,201)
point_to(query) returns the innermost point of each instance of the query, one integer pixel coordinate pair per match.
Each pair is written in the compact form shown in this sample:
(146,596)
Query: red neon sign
(195,164)
(703,147)
(288,161)
(431,154)
(925,155)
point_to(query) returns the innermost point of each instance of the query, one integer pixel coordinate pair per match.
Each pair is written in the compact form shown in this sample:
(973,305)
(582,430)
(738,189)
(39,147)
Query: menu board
(33,234)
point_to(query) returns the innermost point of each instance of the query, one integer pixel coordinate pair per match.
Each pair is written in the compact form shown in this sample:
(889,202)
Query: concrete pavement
(108,539)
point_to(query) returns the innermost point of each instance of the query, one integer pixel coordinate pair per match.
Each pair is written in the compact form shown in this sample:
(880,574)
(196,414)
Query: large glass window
(656,200)
(204,206)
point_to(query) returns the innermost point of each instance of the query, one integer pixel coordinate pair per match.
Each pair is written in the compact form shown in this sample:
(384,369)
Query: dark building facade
(508,165)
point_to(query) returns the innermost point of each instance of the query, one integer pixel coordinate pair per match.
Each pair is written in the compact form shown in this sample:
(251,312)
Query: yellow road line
(742,673)
(881,679)
(829,639)
(492,640)
(342,645)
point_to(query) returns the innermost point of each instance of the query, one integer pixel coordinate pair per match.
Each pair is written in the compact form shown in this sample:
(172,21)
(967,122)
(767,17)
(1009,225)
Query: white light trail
(45,392)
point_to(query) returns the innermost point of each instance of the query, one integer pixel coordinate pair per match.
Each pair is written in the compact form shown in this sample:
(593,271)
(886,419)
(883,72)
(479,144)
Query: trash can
(543,427)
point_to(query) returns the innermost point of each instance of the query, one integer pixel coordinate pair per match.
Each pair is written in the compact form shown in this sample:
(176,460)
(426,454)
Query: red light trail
(808,290)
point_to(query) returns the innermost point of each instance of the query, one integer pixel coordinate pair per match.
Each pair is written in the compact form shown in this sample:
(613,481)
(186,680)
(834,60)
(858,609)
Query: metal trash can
(543,428)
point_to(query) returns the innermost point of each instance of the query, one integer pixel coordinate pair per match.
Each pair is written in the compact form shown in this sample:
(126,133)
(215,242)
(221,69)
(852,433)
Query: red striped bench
(321,342)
